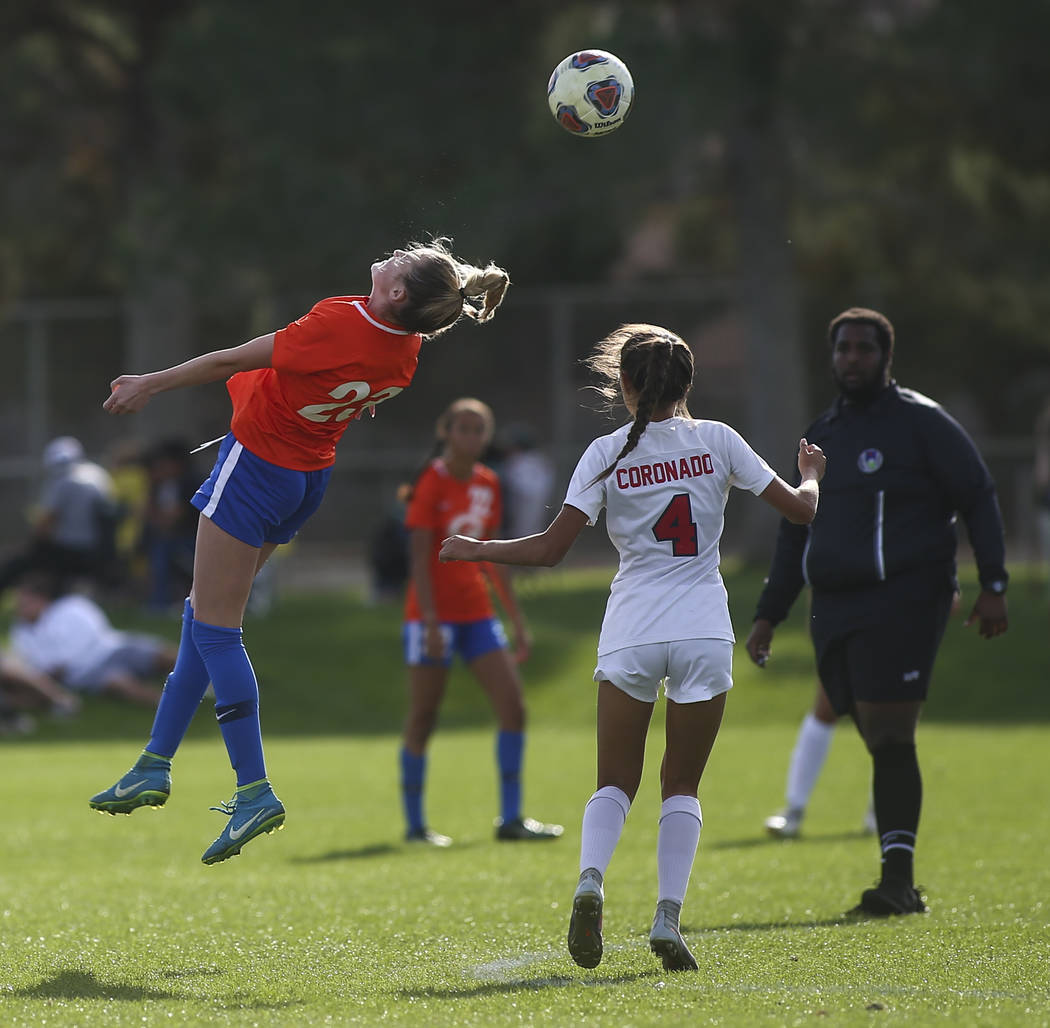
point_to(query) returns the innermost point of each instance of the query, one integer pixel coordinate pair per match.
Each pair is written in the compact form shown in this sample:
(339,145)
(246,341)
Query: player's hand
(459,547)
(811,458)
(990,613)
(129,393)
(522,645)
(433,640)
(760,641)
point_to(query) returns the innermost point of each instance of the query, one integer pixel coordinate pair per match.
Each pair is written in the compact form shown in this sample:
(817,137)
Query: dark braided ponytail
(659,366)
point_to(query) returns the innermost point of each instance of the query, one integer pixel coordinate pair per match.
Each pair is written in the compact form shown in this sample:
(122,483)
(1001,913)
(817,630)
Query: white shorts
(692,670)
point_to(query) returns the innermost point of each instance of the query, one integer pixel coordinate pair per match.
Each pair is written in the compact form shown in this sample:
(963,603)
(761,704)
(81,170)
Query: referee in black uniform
(880,560)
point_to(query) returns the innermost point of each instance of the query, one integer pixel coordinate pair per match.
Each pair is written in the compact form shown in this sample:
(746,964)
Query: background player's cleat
(147,784)
(890,896)
(427,837)
(254,810)
(786,824)
(585,923)
(526,828)
(666,941)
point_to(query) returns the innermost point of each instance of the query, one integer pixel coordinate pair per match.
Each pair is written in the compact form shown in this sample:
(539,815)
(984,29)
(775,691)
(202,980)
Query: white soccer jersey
(665,504)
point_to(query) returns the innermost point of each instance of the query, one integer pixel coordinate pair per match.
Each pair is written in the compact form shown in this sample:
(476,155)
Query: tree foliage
(887,152)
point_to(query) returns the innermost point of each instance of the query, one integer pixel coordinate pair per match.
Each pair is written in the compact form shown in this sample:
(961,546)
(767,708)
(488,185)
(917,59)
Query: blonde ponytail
(441,289)
(490,283)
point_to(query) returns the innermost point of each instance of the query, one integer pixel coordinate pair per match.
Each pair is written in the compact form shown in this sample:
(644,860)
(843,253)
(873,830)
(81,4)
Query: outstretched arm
(545,549)
(130,393)
(799,504)
(41,688)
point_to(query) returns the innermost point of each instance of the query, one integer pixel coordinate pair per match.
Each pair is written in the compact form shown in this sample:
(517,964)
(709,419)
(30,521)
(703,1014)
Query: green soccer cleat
(666,941)
(147,784)
(254,810)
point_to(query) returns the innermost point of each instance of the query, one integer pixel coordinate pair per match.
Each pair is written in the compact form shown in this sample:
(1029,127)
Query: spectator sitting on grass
(23,688)
(69,637)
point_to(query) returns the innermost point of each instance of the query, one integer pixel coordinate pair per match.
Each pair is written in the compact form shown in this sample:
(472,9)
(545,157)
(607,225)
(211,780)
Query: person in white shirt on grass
(70,638)
(663,480)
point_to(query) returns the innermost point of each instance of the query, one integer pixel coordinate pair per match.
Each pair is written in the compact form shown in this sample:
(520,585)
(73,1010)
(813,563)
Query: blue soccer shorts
(256,501)
(468,639)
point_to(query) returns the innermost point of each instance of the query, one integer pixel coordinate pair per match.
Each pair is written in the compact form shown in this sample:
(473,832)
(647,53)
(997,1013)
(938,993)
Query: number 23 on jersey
(360,398)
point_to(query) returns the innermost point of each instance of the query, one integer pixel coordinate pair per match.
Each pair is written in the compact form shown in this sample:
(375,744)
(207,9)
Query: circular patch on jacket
(870,461)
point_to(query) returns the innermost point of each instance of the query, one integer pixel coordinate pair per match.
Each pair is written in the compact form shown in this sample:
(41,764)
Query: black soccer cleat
(427,837)
(526,829)
(891,896)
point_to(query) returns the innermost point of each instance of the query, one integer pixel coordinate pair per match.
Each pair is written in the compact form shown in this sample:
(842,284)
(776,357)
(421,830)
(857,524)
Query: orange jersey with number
(328,367)
(450,506)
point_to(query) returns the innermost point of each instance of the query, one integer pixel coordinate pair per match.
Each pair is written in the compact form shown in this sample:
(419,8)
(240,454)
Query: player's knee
(626,782)
(421,722)
(679,784)
(512,717)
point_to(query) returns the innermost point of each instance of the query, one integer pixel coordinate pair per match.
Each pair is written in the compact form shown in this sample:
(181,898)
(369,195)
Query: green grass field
(114,921)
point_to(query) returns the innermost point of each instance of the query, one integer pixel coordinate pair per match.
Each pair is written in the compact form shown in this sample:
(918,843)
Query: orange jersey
(448,506)
(327,368)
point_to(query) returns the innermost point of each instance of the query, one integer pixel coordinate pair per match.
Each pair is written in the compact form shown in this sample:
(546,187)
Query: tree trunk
(760,166)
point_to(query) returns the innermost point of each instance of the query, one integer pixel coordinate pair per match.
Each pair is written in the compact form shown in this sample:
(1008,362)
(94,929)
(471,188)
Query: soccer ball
(590,93)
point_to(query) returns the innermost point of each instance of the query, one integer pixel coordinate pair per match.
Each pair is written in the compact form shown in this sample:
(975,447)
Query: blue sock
(509,749)
(413,773)
(236,697)
(182,695)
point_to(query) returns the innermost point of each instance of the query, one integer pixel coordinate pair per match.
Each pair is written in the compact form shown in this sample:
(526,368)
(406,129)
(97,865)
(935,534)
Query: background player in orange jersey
(294,392)
(448,610)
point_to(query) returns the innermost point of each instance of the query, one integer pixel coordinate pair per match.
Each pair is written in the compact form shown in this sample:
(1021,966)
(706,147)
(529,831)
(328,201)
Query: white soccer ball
(590,93)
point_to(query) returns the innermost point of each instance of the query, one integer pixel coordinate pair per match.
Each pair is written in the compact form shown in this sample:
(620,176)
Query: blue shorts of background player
(467,639)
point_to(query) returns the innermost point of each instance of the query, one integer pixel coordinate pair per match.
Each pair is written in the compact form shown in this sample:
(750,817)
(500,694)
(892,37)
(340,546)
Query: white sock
(807,760)
(603,819)
(680,824)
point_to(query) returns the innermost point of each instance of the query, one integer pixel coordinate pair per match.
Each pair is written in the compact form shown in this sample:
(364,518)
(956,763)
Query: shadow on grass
(76,984)
(381,849)
(753,841)
(842,921)
(525,985)
(376,849)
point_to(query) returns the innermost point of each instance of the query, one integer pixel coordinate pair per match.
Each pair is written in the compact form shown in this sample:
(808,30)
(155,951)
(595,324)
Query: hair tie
(462,293)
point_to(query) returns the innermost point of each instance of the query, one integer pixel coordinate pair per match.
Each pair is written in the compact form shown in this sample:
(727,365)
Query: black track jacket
(898,472)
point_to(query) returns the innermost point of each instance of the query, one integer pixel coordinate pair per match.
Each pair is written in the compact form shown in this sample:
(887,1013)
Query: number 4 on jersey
(676,526)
